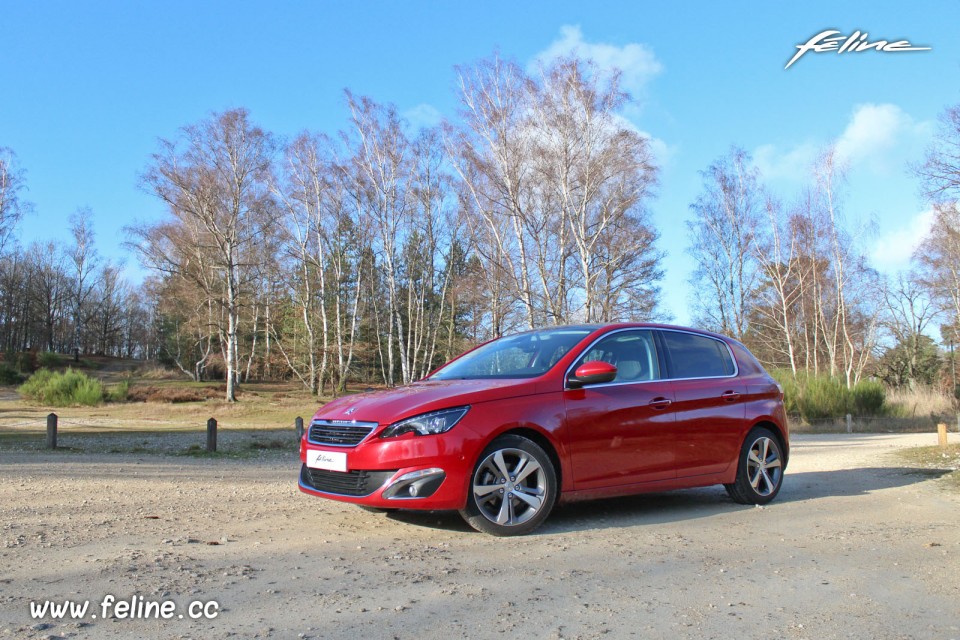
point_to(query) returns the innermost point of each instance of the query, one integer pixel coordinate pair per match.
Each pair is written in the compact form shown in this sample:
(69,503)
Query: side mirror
(593,372)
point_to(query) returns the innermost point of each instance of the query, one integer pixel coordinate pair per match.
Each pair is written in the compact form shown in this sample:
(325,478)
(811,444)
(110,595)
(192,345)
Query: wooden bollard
(212,435)
(52,431)
(942,434)
(299,423)
(849,423)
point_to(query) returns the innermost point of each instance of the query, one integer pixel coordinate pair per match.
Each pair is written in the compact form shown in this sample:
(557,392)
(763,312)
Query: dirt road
(855,547)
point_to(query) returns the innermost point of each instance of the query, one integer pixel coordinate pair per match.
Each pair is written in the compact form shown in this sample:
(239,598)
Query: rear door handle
(730,396)
(661,403)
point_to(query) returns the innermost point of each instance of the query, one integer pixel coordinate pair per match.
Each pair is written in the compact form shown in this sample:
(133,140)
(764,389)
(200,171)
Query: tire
(759,470)
(503,502)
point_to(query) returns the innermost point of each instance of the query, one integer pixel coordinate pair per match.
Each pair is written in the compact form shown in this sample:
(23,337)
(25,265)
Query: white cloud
(880,136)
(792,164)
(637,65)
(663,153)
(423,115)
(893,250)
(877,137)
(635,61)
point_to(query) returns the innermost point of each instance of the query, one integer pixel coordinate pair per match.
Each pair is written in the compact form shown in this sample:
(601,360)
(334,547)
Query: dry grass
(165,406)
(919,402)
(157,373)
(175,393)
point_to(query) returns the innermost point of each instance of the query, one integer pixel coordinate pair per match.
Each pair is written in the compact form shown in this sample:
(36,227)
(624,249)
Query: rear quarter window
(747,362)
(696,356)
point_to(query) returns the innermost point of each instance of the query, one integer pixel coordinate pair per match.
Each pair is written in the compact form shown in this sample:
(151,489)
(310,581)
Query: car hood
(390,405)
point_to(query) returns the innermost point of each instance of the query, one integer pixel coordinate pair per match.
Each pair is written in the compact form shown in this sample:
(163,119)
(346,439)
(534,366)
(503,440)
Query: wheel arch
(543,442)
(780,435)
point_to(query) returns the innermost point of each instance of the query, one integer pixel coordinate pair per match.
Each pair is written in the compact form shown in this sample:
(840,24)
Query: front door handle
(661,403)
(730,396)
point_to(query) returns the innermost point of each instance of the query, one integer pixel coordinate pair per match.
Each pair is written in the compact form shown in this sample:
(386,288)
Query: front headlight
(427,423)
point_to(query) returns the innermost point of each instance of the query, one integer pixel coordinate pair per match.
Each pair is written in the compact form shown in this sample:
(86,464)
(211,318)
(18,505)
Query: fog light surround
(415,484)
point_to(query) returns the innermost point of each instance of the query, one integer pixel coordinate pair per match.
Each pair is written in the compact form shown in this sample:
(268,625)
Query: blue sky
(87,88)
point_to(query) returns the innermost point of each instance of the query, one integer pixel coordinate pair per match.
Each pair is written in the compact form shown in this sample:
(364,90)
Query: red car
(504,431)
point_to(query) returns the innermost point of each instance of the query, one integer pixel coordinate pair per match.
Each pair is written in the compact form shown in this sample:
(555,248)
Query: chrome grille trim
(339,433)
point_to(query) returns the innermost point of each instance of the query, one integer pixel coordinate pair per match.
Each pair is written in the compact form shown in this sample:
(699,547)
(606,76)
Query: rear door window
(696,356)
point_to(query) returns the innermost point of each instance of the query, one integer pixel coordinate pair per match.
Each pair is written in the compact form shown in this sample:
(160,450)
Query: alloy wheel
(509,487)
(764,467)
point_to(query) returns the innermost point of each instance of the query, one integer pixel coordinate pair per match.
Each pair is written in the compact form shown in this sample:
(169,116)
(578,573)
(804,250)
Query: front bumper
(408,472)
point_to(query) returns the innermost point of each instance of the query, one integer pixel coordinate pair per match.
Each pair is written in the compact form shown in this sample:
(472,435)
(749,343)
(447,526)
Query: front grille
(339,433)
(345,483)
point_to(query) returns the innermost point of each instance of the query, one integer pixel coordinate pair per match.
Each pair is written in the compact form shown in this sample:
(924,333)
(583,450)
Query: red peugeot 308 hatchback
(504,431)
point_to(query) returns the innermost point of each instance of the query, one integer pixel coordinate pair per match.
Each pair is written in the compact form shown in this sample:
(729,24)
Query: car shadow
(443,520)
(688,504)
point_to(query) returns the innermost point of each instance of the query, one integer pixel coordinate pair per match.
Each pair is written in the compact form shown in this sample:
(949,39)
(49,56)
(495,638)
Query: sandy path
(854,547)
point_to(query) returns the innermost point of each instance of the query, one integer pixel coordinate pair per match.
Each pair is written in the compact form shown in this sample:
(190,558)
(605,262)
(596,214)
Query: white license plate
(329,460)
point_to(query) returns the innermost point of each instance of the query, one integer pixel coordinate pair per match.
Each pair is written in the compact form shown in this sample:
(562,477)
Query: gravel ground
(856,546)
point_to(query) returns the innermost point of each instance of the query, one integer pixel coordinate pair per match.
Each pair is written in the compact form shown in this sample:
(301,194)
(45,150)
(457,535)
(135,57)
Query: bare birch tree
(381,167)
(86,263)
(727,215)
(908,313)
(556,183)
(596,175)
(491,154)
(940,173)
(302,194)
(938,256)
(777,315)
(847,316)
(938,259)
(214,178)
(401,197)
(12,205)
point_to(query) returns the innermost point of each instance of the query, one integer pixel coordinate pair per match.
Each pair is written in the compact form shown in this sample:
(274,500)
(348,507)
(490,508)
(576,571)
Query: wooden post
(299,423)
(849,423)
(52,431)
(212,435)
(942,434)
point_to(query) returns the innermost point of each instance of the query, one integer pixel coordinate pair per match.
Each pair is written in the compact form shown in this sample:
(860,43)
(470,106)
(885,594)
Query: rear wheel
(513,488)
(760,469)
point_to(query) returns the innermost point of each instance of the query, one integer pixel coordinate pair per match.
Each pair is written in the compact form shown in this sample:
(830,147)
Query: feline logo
(857,42)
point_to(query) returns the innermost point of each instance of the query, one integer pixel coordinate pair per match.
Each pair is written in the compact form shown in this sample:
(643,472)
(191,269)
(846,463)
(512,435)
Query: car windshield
(524,355)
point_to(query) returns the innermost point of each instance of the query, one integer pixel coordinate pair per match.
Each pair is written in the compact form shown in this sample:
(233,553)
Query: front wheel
(513,488)
(760,469)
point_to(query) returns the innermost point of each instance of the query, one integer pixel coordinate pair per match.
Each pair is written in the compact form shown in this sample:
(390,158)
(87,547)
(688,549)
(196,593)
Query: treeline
(789,280)
(793,281)
(62,298)
(378,252)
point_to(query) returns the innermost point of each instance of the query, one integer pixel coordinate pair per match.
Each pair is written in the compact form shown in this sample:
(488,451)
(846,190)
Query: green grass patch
(118,392)
(10,375)
(821,397)
(56,389)
(49,360)
(70,388)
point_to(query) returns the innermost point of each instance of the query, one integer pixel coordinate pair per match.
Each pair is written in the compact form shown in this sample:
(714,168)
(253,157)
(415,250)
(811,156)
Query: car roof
(606,326)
